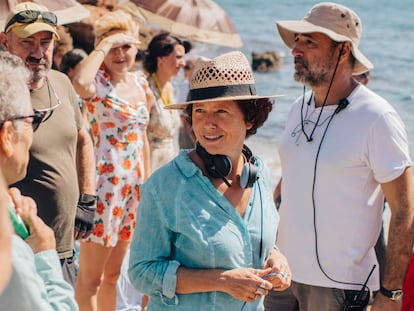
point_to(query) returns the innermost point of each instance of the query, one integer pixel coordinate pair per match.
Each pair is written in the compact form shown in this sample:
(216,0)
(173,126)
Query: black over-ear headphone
(219,166)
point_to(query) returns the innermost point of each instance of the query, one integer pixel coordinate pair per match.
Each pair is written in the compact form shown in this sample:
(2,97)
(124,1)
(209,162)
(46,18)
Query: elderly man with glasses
(36,281)
(61,171)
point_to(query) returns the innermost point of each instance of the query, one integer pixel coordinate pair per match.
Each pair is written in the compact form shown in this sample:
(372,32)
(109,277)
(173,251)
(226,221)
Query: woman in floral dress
(118,115)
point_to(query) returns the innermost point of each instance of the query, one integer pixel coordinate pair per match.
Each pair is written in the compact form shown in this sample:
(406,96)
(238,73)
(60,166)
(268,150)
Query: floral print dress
(117,128)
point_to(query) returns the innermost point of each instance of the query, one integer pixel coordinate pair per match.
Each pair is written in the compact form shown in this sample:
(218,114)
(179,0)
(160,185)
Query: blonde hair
(115,21)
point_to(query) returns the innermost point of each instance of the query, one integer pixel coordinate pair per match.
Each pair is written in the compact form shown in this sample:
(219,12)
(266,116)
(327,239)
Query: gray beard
(38,75)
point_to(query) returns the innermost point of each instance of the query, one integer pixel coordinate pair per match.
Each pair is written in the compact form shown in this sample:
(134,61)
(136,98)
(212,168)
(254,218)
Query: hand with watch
(85,213)
(394,294)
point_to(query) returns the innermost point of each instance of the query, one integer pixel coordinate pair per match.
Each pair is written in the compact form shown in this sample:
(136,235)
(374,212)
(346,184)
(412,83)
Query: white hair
(14,90)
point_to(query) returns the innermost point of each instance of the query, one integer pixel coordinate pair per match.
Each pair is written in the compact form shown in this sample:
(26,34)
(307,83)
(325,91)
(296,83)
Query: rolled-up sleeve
(170,279)
(151,268)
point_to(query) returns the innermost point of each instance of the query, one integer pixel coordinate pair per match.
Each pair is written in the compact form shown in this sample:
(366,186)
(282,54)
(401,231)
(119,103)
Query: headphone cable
(310,137)
(314,212)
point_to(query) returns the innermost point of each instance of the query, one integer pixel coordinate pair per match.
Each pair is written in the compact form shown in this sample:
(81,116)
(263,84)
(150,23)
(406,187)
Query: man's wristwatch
(394,294)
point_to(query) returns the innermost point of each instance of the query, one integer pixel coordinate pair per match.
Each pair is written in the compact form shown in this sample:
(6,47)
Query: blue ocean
(387,40)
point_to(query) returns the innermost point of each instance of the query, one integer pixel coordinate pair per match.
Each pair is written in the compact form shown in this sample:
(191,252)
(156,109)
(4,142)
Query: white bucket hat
(226,77)
(338,22)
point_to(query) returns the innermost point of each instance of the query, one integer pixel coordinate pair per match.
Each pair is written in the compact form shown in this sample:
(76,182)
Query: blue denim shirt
(183,220)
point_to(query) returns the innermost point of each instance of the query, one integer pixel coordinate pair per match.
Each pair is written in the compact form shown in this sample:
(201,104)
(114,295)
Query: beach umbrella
(67,11)
(198,20)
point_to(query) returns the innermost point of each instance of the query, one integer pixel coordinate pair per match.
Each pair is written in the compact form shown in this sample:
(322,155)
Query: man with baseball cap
(61,162)
(343,149)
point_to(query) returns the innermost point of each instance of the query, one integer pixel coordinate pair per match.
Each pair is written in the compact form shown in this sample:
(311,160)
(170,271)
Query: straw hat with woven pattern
(226,77)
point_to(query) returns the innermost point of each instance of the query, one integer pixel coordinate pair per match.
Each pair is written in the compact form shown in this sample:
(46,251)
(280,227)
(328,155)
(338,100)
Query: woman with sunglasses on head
(162,61)
(206,225)
(117,111)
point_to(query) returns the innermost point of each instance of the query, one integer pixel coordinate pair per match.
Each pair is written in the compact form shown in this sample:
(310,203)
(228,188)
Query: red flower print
(91,108)
(110,168)
(117,211)
(94,129)
(127,164)
(100,207)
(114,180)
(106,239)
(137,192)
(132,137)
(126,190)
(108,196)
(122,146)
(98,230)
(125,233)
(109,124)
(113,141)
(101,169)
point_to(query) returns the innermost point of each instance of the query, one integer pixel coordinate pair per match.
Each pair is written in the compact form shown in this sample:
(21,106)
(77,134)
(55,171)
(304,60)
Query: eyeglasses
(37,119)
(47,112)
(30,16)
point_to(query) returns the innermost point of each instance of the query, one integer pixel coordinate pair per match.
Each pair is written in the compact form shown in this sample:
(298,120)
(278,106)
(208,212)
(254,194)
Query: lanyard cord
(310,137)
(261,227)
(167,101)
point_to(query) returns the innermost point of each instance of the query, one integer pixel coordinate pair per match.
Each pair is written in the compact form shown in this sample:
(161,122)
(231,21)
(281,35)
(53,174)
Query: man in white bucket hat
(343,149)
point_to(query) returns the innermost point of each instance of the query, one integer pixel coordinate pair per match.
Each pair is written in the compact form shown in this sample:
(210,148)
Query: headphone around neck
(219,166)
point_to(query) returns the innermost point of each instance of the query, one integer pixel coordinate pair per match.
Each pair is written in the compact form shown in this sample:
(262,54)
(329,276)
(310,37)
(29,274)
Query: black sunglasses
(30,16)
(37,119)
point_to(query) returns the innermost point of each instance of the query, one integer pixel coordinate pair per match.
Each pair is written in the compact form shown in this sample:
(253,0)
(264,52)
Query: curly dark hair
(162,45)
(255,111)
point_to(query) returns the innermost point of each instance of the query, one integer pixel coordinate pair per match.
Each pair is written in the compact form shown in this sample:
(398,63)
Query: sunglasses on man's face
(30,16)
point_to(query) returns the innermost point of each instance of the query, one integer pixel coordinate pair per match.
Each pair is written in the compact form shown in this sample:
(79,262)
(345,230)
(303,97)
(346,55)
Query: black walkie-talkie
(359,301)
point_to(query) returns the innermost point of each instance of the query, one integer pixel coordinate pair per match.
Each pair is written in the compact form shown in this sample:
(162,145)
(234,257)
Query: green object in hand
(17,222)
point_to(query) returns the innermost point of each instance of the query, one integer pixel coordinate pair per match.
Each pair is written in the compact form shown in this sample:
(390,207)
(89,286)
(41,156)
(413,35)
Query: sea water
(387,40)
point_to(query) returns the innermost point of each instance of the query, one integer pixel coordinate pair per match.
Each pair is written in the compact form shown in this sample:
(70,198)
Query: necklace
(167,101)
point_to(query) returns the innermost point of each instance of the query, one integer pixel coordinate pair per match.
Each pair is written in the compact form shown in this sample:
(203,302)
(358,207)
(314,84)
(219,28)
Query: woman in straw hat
(207,222)
(118,113)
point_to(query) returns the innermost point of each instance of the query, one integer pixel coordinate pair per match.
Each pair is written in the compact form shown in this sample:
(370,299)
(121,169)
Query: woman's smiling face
(219,127)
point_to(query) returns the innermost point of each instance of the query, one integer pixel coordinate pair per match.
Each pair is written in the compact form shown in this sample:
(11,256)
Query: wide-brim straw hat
(226,77)
(338,22)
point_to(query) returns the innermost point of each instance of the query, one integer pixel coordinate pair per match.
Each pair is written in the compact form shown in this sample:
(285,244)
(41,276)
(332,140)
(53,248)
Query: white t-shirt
(365,145)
